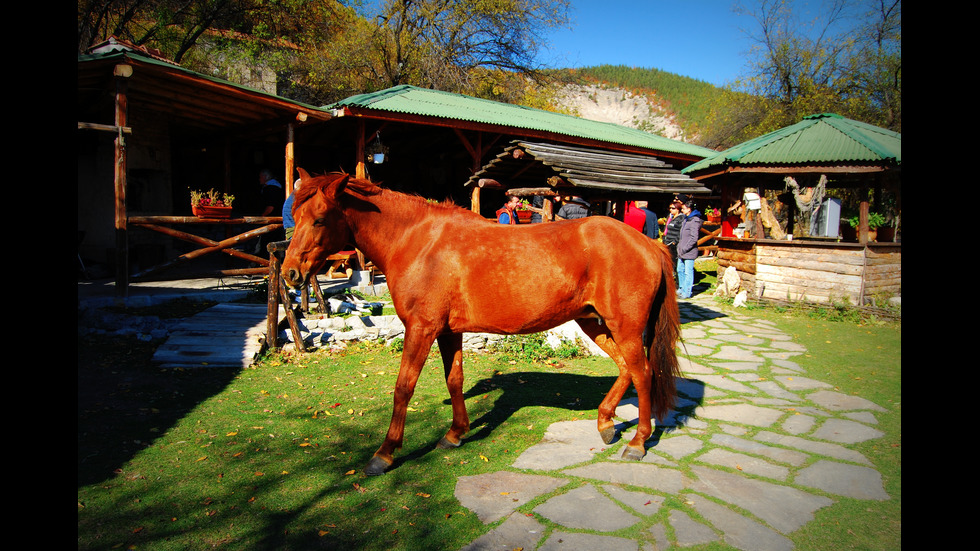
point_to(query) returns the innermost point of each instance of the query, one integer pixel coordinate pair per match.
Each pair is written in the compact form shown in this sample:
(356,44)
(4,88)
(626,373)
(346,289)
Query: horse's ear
(303,175)
(341,186)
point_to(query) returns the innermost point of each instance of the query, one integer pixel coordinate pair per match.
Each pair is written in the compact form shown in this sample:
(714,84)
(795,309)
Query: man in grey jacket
(687,246)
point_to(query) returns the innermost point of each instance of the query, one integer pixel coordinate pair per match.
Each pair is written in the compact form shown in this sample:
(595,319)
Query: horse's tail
(663,330)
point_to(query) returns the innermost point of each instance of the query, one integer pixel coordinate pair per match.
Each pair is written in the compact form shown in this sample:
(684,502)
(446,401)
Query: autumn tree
(441,43)
(844,58)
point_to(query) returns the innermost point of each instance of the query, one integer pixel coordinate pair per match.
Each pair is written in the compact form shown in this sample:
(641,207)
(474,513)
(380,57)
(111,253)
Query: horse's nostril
(293,275)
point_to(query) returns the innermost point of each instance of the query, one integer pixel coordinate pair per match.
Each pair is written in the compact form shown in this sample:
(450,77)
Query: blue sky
(702,39)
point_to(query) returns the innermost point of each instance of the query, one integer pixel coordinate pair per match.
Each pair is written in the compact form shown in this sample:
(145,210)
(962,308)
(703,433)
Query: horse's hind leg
(607,409)
(417,346)
(451,348)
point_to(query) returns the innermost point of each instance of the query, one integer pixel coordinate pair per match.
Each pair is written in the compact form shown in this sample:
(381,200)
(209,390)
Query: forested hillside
(687,100)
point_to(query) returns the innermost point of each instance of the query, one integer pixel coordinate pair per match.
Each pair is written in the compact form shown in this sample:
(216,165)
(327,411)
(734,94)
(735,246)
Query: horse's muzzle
(293,277)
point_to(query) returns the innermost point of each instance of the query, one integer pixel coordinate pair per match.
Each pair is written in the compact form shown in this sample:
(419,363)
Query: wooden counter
(813,270)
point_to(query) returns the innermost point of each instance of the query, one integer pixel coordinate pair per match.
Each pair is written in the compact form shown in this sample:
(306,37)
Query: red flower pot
(202,211)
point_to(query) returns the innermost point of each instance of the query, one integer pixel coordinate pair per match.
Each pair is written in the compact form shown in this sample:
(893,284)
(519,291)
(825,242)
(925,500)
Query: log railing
(208,246)
(279,295)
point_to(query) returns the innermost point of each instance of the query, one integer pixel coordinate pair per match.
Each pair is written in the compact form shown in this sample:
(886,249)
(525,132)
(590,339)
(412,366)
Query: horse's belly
(512,320)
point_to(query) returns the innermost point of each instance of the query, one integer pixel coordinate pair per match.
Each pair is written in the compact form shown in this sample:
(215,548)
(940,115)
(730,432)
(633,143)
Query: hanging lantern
(376,152)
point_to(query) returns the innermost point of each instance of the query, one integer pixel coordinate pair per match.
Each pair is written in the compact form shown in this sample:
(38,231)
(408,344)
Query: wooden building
(149,131)
(822,150)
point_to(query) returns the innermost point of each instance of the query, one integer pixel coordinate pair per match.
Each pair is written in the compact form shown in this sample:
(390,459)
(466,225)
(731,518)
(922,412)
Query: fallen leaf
(423,494)
(350,472)
(484,458)
(233,433)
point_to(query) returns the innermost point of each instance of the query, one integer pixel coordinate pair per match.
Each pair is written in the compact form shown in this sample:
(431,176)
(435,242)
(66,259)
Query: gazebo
(824,151)
(525,168)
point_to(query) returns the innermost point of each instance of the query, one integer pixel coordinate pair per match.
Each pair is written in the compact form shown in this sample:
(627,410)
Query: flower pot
(886,234)
(524,216)
(714,218)
(202,211)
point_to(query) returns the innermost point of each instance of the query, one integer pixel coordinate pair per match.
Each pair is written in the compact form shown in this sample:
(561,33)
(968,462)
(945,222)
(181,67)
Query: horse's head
(321,228)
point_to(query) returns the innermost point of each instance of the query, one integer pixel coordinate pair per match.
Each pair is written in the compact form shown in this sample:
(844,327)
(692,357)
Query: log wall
(741,255)
(814,271)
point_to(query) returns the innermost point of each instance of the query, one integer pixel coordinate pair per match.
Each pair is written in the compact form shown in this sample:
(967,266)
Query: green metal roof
(411,100)
(820,139)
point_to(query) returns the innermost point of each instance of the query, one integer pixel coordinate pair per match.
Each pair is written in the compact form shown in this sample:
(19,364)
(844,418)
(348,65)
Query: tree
(846,59)
(439,43)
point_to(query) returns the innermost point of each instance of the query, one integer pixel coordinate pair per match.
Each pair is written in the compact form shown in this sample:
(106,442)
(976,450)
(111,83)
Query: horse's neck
(379,232)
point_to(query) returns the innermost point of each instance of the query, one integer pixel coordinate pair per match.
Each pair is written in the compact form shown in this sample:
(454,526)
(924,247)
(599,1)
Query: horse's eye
(320,222)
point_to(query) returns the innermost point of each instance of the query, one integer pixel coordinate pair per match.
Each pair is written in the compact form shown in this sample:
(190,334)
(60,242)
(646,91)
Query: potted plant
(713,215)
(875,220)
(211,204)
(524,213)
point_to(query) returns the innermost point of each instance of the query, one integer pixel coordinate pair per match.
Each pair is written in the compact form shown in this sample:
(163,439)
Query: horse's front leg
(451,348)
(416,350)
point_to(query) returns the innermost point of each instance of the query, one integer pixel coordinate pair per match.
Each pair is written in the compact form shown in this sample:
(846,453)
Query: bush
(535,347)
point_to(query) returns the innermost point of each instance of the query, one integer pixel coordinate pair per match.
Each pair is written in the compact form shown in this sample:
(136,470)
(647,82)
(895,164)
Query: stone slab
(784,508)
(843,479)
(586,508)
(493,496)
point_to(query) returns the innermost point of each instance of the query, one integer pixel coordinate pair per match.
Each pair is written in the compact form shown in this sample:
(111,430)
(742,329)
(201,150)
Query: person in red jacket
(634,217)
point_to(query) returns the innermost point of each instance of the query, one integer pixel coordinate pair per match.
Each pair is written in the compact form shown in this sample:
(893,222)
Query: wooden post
(272,303)
(863,217)
(475,199)
(290,158)
(360,170)
(119,180)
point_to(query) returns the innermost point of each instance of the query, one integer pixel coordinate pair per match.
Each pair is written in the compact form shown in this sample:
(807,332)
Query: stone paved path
(761,455)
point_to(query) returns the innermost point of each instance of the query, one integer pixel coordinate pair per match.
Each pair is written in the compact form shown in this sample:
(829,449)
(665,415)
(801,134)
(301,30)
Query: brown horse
(451,271)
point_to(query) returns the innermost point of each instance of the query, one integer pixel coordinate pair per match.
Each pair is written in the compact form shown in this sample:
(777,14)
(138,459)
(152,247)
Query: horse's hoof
(376,466)
(633,454)
(608,434)
(447,444)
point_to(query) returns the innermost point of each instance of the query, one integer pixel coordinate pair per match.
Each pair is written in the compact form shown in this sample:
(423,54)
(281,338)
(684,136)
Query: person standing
(651,228)
(672,231)
(687,247)
(634,217)
(288,223)
(507,214)
(573,208)
(273,196)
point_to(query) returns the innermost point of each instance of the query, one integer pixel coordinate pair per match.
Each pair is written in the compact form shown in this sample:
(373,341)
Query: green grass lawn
(270,457)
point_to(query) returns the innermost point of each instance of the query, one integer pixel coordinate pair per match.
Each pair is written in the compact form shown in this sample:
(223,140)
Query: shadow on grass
(125,402)
(557,389)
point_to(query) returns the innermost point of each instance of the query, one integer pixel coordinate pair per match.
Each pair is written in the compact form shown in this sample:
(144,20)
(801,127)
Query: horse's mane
(362,188)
